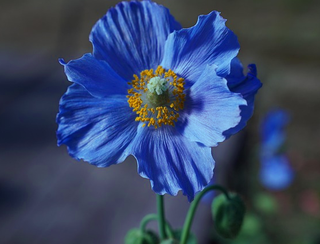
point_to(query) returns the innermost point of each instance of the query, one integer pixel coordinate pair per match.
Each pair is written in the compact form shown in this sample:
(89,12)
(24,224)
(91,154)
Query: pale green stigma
(156,97)
(157,85)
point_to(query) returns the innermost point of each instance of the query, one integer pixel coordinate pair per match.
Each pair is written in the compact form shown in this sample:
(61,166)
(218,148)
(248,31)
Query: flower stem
(161,218)
(150,217)
(193,208)
(146,220)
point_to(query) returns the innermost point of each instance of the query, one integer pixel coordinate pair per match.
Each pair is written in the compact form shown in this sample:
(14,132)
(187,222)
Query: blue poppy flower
(155,91)
(272,131)
(276,172)
(247,86)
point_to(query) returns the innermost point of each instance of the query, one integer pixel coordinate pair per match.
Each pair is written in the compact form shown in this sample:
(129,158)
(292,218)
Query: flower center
(157,85)
(156,97)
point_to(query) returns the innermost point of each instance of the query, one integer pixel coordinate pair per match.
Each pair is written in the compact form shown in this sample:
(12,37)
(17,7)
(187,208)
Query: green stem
(193,208)
(161,218)
(146,220)
(151,217)
(169,231)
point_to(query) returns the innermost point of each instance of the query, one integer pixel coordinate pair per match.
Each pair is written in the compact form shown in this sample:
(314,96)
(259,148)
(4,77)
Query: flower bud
(228,214)
(136,236)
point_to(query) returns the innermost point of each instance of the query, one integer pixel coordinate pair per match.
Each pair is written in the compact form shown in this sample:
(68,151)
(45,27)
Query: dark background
(47,197)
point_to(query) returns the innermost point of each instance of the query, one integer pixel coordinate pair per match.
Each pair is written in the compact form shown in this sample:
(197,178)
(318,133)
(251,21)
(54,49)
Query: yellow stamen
(156,109)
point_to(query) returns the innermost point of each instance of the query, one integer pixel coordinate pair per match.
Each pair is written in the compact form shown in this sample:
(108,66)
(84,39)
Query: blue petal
(274,123)
(276,172)
(172,162)
(95,130)
(131,36)
(210,109)
(247,86)
(273,144)
(236,73)
(188,51)
(95,75)
(272,132)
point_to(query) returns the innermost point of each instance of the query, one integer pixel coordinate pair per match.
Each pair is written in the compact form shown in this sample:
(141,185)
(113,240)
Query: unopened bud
(228,214)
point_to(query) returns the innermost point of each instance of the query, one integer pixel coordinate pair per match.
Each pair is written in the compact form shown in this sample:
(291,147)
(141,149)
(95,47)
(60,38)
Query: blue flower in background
(276,172)
(158,92)
(272,131)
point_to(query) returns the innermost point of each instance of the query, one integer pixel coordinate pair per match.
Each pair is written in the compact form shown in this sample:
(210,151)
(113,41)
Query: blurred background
(47,197)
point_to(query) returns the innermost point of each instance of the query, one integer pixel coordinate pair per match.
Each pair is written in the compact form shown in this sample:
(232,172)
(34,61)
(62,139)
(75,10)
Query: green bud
(136,236)
(228,214)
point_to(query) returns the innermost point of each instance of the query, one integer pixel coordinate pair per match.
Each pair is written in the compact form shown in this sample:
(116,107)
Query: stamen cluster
(154,108)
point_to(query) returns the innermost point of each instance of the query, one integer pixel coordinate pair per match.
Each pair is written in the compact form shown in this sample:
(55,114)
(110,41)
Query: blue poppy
(272,132)
(247,86)
(276,172)
(155,91)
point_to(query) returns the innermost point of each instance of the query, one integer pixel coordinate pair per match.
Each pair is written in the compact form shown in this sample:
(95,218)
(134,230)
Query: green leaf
(170,241)
(136,236)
